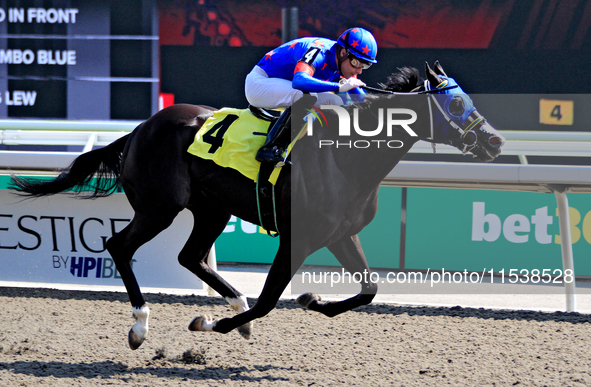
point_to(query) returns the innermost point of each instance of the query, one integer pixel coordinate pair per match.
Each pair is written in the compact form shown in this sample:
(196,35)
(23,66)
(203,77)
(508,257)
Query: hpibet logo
(386,118)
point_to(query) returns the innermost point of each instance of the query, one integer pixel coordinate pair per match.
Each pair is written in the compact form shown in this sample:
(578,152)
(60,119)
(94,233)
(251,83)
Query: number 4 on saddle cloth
(231,139)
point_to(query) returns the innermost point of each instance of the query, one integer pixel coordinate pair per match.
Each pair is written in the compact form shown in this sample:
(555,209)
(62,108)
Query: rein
(432,100)
(426,91)
(430,93)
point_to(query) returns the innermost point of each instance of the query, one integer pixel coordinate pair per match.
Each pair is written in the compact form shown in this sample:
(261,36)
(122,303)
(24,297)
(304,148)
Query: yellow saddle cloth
(231,138)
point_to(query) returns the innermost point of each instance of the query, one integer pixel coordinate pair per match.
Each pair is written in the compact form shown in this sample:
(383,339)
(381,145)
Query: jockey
(318,66)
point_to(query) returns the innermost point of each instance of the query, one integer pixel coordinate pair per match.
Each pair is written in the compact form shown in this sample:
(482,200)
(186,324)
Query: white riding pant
(271,93)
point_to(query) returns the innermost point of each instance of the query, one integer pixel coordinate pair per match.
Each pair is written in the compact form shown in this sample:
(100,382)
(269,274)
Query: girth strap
(265,195)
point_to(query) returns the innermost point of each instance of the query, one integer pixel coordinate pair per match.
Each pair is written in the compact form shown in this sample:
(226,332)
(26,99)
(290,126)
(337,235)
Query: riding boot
(277,139)
(280,135)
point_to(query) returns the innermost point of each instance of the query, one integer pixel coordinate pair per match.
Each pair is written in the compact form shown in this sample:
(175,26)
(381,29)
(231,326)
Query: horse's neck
(367,146)
(365,159)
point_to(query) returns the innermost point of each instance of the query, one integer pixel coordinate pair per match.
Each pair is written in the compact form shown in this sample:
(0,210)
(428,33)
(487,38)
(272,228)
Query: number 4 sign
(556,112)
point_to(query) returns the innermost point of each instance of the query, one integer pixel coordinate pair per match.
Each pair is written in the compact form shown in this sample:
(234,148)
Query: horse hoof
(139,330)
(202,324)
(134,340)
(307,298)
(245,330)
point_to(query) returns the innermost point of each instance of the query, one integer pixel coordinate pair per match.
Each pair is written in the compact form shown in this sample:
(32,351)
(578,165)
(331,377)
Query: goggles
(358,63)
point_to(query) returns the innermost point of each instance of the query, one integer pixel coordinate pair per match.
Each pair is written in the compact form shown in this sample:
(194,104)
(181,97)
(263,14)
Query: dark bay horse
(324,199)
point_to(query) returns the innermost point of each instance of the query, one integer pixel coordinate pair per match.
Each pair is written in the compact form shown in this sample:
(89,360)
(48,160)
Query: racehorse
(332,191)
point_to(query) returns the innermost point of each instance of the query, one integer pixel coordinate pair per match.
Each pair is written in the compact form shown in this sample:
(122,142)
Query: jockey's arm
(357,94)
(357,91)
(303,80)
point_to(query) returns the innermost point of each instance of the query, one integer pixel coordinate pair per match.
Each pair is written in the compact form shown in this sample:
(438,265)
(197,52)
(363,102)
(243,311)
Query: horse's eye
(456,107)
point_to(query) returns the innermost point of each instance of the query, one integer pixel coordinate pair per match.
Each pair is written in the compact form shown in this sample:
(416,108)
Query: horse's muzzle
(486,142)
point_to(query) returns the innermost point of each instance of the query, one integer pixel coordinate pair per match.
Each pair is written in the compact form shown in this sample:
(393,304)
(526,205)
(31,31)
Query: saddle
(231,138)
(265,114)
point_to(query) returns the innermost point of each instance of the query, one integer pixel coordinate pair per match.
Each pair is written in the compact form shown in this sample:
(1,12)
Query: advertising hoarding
(60,239)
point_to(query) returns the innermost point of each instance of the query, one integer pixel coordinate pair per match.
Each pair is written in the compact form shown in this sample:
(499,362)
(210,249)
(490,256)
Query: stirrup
(270,154)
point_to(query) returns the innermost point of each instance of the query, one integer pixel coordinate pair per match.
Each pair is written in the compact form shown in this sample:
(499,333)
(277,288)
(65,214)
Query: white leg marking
(202,324)
(239,304)
(141,315)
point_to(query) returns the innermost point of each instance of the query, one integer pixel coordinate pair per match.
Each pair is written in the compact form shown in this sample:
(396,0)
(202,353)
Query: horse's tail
(95,174)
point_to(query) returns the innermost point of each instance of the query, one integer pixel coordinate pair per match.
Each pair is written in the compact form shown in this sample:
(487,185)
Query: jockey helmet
(360,43)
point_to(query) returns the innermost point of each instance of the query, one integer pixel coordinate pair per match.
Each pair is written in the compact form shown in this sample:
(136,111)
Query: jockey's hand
(348,84)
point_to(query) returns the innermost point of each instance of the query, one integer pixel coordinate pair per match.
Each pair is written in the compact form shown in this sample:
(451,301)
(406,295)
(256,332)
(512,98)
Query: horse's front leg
(277,280)
(349,253)
(199,245)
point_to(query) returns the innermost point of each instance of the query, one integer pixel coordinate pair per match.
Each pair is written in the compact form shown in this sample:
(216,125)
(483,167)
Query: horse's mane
(405,80)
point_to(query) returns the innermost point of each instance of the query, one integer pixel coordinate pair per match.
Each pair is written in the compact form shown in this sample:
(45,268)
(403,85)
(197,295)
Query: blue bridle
(452,94)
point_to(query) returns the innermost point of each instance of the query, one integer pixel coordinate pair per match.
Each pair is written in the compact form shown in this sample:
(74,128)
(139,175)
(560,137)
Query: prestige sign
(63,240)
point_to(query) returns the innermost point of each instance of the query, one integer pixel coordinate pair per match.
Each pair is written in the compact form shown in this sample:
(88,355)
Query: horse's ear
(439,69)
(432,77)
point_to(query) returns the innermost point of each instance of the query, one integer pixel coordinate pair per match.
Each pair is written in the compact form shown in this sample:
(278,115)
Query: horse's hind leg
(122,246)
(278,278)
(349,253)
(209,223)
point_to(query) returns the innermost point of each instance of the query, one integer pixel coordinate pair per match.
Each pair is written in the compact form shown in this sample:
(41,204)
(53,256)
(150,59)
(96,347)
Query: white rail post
(90,143)
(213,263)
(567,248)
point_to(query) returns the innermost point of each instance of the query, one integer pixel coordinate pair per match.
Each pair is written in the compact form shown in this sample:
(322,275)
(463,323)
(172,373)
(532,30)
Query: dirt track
(65,338)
